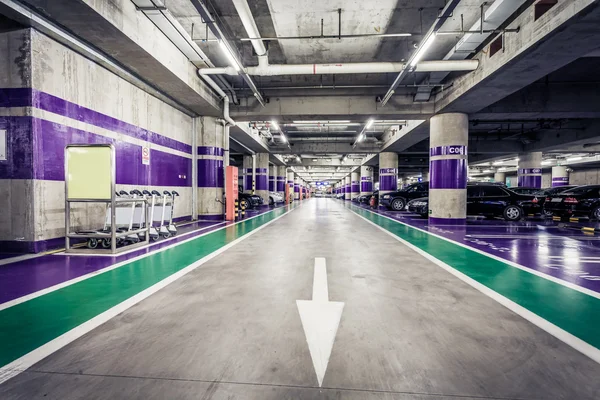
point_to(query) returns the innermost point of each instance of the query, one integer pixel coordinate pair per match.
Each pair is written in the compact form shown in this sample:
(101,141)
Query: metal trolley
(90,178)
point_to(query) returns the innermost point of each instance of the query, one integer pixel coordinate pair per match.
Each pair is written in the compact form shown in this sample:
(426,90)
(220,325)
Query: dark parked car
(397,200)
(366,198)
(249,200)
(488,200)
(579,201)
(542,194)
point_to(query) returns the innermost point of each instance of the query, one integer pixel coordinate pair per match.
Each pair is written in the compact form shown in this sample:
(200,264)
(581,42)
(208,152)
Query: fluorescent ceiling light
(232,60)
(574,158)
(283,138)
(298,159)
(547,162)
(517,159)
(274,123)
(320,122)
(487,171)
(422,50)
(369,124)
(498,162)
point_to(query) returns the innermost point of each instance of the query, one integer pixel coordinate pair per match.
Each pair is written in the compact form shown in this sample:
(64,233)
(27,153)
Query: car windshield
(579,190)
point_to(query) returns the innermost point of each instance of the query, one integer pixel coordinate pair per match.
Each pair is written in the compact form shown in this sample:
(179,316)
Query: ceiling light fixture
(547,162)
(274,123)
(574,159)
(232,60)
(422,50)
(369,124)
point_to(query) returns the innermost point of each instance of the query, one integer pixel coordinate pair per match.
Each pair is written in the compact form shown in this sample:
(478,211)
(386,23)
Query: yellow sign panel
(88,172)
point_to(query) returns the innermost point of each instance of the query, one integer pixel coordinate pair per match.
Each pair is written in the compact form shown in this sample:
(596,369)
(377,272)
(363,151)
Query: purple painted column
(560,176)
(347,187)
(448,169)
(366,180)
(530,170)
(388,173)
(296,188)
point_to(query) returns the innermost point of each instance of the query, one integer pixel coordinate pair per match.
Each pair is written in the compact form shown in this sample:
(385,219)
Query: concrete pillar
(560,176)
(211,178)
(348,187)
(280,180)
(261,173)
(272,177)
(530,170)
(366,180)
(296,188)
(354,185)
(388,173)
(448,168)
(500,177)
(247,171)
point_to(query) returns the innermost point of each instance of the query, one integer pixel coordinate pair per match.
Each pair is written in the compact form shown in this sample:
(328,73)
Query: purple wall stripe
(210,173)
(271,183)
(366,187)
(355,188)
(448,174)
(388,171)
(451,150)
(210,151)
(388,182)
(27,97)
(262,182)
(261,170)
(19,147)
(534,181)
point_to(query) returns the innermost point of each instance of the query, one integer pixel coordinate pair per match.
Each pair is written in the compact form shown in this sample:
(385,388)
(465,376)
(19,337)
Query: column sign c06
(146,155)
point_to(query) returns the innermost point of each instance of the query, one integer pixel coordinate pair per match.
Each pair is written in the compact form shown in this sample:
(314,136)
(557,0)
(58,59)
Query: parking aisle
(232,329)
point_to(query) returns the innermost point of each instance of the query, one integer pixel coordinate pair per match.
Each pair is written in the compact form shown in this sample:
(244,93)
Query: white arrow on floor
(320,320)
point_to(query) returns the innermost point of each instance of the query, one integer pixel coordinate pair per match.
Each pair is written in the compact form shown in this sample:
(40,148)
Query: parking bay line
(570,317)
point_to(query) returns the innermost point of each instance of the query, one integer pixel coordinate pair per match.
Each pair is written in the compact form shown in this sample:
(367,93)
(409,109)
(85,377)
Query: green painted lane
(31,324)
(570,310)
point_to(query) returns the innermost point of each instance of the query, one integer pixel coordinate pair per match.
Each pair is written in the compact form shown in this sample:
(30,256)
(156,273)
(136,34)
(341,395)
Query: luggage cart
(90,178)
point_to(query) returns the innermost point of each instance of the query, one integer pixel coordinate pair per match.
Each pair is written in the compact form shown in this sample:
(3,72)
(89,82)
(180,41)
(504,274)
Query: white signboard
(3,145)
(146,155)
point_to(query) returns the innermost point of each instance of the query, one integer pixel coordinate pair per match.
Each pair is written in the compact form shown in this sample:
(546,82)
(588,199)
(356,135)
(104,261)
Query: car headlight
(386,196)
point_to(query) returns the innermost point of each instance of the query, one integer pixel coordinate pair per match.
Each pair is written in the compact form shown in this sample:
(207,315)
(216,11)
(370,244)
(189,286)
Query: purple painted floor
(21,278)
(539,244)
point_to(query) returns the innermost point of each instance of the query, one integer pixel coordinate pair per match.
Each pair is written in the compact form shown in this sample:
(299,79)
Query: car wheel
(271,201)
(424,216)
(512,213)
(244,203)
(398,204)
(596,214)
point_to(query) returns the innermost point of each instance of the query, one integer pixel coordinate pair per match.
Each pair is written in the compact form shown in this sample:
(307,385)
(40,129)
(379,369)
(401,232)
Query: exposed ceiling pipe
(348,68)
(245,15)
(427,39)
(161,17)
(223,97)
(209,20)
(494,17)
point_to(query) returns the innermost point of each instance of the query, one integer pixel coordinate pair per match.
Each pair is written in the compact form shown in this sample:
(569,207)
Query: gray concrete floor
(231,330)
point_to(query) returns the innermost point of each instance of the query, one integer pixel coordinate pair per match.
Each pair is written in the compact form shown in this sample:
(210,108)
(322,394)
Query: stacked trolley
(90,178)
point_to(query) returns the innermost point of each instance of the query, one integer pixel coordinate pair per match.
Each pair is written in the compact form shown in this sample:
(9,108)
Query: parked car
(488,200)
(542,194)
(366,198)
(419,206)
(248,200)
(275,197)
(397,200)
(525,190)
(579,201)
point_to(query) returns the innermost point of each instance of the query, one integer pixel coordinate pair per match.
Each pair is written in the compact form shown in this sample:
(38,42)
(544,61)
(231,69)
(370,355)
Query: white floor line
(512,264)
(111,267)
(21,258)
(21,364)
(559,333)
(152,244)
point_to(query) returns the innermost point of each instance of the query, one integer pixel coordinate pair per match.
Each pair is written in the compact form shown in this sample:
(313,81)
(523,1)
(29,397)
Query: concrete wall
(54,97)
